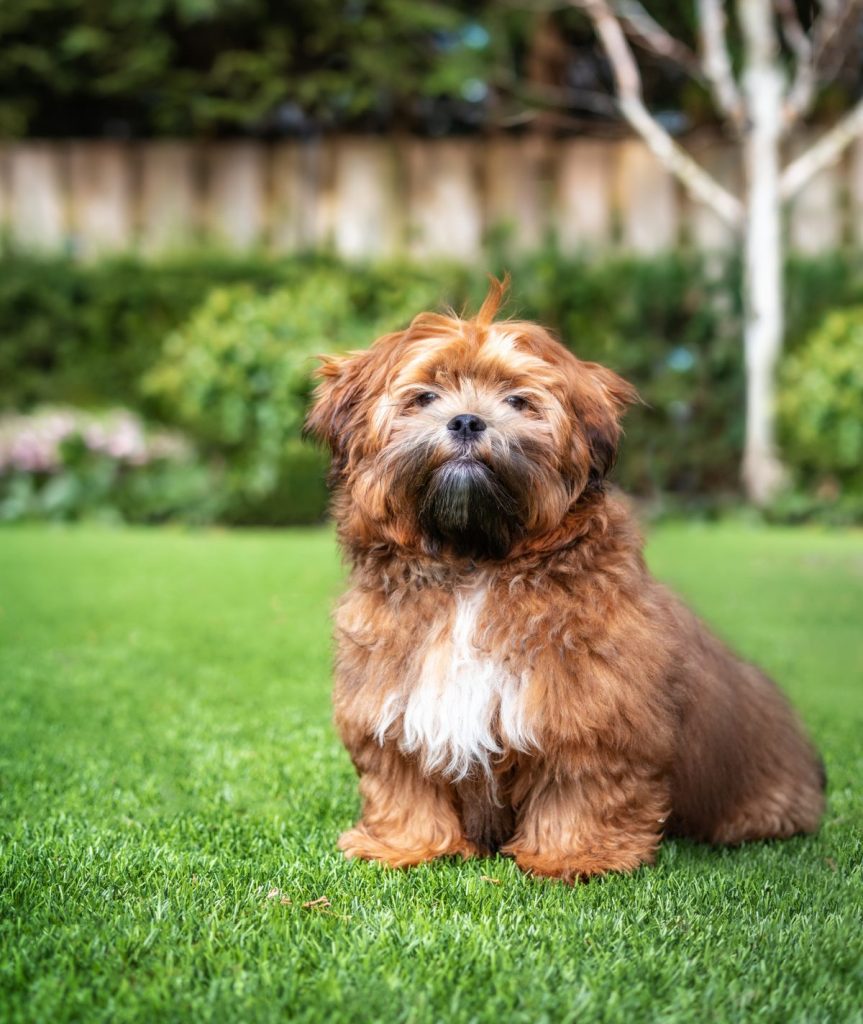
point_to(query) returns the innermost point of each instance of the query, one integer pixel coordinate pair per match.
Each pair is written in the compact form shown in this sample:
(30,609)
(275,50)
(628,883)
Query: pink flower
(33,442)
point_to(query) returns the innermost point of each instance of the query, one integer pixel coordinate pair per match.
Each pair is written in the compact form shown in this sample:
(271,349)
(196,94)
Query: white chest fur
(463,708)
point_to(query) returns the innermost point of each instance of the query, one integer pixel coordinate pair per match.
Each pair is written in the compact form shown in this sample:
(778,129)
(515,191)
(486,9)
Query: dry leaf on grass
(276,894)
(320,903)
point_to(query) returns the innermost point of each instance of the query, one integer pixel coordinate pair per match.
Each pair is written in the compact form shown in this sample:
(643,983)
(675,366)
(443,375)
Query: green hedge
(86,333)
(93,335)
(238,374)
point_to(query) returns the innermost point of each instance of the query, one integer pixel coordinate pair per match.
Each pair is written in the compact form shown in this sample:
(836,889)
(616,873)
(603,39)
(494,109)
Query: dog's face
(465,436)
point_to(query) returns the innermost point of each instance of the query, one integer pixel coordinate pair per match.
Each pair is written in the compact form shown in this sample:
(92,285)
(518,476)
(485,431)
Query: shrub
(89,334)
(206,67)
(821,403)
(238,375)
(85,334)
(66,464)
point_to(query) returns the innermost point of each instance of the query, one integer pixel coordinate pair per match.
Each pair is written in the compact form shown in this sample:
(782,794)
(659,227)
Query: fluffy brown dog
(509,676)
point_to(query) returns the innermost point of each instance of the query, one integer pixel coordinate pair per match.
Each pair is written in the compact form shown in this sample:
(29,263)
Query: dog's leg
(608,816)
(407,818)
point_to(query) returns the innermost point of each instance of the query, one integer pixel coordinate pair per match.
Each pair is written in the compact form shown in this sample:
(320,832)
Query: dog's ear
(601,406)
(335,412)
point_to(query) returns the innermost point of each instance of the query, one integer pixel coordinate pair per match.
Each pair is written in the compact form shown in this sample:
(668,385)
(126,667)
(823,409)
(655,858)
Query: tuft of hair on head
(497,289)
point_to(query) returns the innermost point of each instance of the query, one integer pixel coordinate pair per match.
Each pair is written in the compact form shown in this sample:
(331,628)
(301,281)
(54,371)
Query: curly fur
(508,674)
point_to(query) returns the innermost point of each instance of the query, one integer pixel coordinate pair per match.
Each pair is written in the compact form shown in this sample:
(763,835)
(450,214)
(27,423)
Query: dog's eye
(516,401)
(426,398)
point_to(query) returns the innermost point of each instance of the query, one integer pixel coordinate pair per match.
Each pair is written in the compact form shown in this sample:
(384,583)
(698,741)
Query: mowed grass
(167,762)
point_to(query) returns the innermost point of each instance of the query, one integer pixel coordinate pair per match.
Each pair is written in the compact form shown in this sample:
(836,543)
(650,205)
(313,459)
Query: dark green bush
(85,333)
(198,67)
(93,334)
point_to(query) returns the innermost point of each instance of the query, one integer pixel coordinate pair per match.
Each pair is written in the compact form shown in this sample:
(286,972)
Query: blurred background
(196,196)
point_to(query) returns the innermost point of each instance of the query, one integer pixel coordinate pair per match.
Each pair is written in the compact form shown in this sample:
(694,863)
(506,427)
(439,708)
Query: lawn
(171,791)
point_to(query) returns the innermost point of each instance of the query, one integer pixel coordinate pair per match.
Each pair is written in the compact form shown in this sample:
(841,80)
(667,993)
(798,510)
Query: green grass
(166,760)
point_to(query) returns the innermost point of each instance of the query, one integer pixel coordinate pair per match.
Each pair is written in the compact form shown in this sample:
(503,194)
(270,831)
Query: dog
(509,677)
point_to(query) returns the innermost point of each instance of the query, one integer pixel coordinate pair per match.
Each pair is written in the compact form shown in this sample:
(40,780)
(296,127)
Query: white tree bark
(647,32)
(823,153)
(694,178)
(717,62)
(801,94)
(761,108)
(763,88)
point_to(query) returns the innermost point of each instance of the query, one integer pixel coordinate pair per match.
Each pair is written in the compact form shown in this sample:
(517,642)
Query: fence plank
(516,189)
(815,221)
(301,211)
(367,219)
(170,196)
(584,200)
(444,202)
(373,197)
(101,197)
(236,194)
(705,230)
(647,199)
(37,216)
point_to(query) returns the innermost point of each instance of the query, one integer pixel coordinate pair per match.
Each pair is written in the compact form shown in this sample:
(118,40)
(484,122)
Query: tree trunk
(763,85)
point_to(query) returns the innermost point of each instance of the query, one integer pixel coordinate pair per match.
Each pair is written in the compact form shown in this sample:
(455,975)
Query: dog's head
(465,436)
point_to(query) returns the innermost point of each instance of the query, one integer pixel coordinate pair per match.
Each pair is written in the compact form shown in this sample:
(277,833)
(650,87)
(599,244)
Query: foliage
(62,464)
(202,67)
(821,406)
(168,762)
(192,67)
(235,374)
(84,334)
(238,376)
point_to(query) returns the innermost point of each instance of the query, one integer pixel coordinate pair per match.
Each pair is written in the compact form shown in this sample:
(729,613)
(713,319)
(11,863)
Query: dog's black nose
(466,425)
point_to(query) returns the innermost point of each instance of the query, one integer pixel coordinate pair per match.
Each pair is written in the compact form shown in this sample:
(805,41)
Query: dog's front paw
(578,866)
(359,843)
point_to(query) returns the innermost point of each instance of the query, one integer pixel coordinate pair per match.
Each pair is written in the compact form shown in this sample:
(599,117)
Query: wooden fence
(376,197)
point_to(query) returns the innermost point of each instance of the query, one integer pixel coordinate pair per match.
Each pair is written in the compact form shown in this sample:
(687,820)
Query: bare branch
(645,30)
(801,93)
(628,82)
(545,119)
(823,153)
(832,36)
(792,30)
(558,99)
(717,62)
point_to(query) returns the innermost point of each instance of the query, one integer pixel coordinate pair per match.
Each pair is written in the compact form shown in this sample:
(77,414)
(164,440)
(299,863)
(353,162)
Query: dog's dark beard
(466,505)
